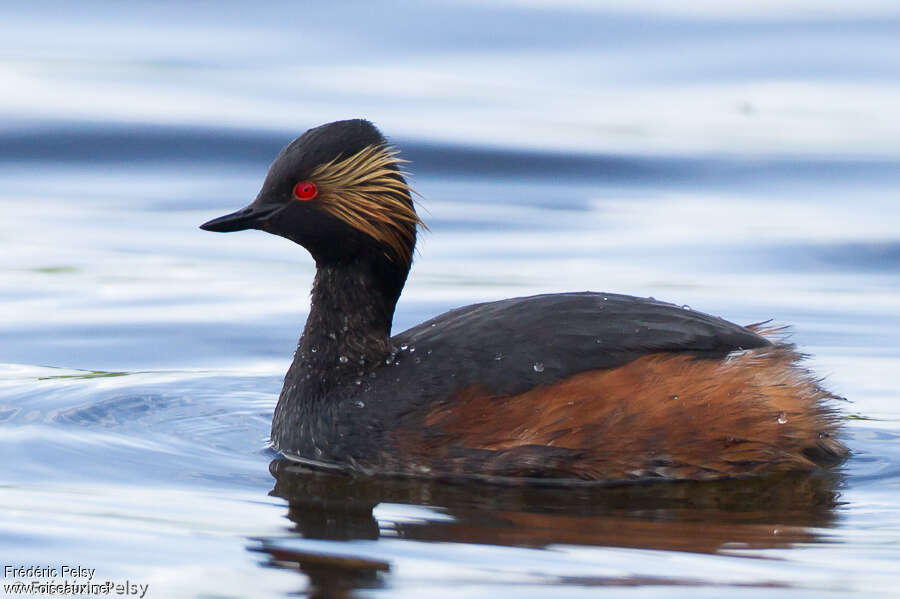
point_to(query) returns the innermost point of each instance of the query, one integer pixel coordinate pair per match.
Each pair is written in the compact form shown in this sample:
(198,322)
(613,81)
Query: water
(741,160)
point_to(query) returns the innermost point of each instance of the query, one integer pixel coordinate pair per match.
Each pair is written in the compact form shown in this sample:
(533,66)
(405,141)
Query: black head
(337,191)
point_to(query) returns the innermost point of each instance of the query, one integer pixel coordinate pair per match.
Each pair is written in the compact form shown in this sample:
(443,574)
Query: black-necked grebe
(593,386)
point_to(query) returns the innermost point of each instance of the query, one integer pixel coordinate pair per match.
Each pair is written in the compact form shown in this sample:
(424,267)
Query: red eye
(305,190)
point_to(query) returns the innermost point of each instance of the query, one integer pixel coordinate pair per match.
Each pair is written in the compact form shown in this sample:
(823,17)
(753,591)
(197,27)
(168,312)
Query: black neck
(349,325)
(347,336)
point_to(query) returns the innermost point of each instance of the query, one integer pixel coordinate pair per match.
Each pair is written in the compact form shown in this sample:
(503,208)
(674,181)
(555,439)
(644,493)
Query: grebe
(591,386)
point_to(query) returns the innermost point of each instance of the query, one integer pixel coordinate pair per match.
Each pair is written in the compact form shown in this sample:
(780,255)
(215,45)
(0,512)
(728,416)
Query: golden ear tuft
(368,192)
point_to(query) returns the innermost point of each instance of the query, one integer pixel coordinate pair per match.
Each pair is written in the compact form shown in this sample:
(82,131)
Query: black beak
(251,217)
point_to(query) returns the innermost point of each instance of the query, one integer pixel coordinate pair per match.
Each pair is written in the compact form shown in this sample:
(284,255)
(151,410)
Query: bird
(552,388)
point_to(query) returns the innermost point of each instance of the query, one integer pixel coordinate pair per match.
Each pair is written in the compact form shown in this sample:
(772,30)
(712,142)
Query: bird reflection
(706,517)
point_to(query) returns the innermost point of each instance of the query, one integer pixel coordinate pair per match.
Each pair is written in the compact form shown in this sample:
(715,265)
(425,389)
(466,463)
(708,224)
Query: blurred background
(741,158)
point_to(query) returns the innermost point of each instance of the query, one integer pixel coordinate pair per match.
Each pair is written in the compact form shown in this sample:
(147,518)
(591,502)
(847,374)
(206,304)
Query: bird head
(337,190)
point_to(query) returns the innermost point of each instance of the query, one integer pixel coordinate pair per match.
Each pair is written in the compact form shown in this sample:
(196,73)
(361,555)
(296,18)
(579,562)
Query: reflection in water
(708,517)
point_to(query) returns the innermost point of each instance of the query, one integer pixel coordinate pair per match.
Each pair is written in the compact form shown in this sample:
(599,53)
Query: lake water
(743,160)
